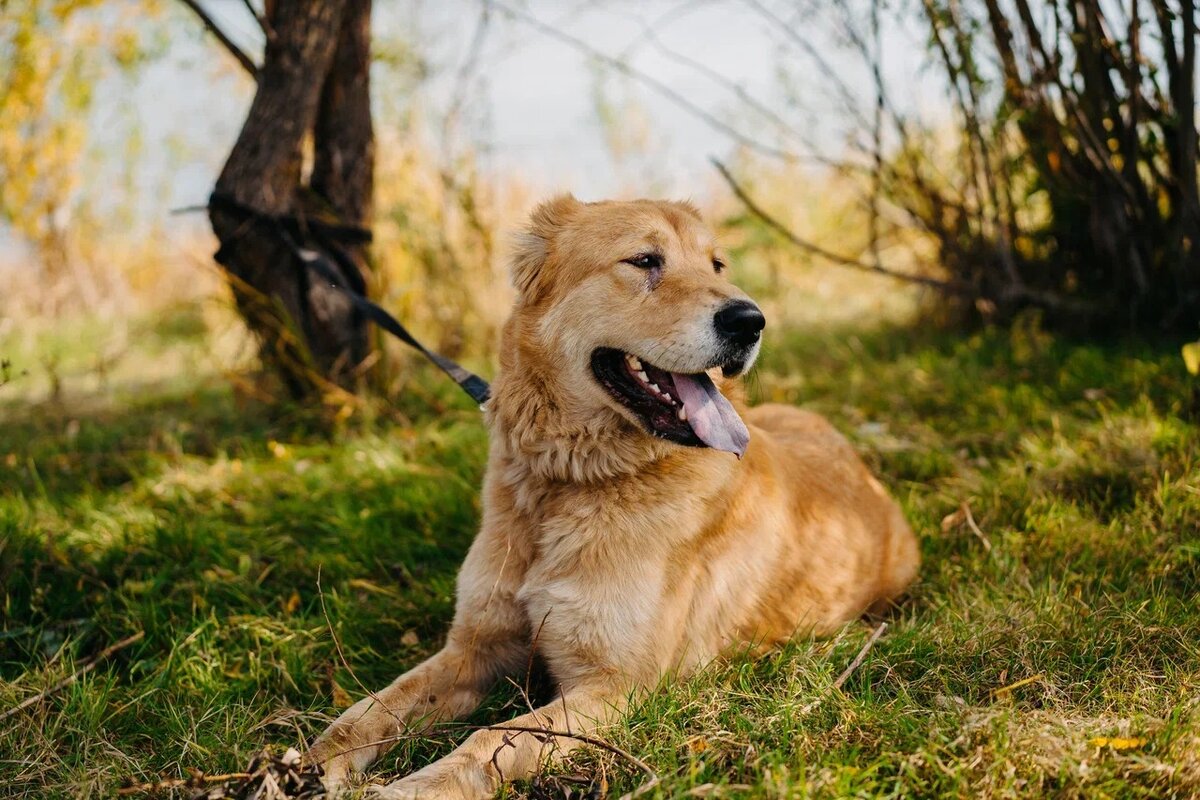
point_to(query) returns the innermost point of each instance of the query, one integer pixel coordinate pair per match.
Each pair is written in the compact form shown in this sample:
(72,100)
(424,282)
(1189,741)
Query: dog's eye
(718,265)
(646,261)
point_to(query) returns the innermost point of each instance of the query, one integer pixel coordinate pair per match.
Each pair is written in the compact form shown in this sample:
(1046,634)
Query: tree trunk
(313,82)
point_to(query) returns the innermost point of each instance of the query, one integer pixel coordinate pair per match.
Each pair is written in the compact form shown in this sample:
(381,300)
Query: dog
(638,520)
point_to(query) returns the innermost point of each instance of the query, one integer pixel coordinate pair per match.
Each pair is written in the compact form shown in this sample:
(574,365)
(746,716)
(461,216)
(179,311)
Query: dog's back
(843,516)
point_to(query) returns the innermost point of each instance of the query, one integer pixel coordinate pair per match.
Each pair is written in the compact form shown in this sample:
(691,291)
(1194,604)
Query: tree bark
(313,82)
(343,175)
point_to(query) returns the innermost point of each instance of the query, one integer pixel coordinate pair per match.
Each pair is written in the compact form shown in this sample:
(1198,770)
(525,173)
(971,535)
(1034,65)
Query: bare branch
(466,70)
(663,89)
(216,31)
(591,740)
(157,787)
(739,91)
(848,98)
(828,255)
(876,59)
(263,24)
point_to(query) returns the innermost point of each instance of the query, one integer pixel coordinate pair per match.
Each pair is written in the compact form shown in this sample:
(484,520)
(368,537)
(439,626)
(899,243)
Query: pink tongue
(711,416)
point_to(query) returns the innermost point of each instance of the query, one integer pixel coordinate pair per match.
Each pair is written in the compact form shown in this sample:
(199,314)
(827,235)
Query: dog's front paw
(448,779)
(339,785)
(336,768)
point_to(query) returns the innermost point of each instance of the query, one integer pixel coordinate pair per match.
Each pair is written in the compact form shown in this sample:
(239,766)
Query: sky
(532,103)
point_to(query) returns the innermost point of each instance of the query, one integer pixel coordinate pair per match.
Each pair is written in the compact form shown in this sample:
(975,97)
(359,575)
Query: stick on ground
(849,670)
(862,654)
(67,681)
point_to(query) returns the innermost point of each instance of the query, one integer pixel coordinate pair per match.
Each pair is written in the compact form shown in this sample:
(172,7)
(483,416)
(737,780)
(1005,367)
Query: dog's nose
(740,322)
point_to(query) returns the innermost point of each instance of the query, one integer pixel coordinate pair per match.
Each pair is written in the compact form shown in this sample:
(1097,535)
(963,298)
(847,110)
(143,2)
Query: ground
(1050,648)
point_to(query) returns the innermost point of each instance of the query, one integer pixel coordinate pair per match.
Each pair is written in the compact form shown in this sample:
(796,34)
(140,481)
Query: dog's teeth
(667,396)
(654,386)
(682,414)
(643,377)
(633,361)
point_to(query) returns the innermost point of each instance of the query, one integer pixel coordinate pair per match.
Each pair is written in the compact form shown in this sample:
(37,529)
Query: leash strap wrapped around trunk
(319,263)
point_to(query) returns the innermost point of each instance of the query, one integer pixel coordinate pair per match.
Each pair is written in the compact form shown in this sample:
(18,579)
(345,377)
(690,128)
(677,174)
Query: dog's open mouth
(685,409)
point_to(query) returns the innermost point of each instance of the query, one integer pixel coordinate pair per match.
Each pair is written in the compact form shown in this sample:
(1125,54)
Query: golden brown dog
(633,524)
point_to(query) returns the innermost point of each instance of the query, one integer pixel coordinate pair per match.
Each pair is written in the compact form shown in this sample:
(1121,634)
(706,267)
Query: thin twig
(594,742)
(876,60)
(1004,691)
(718,78)
(987,545)
(216,31)
(342,656)
(529,668)
(175,783)
(528,704)
(862,654)
(67,681)
(617,65)
(188,210)
(848,671)
(844,261)
(827,71)
(466,70)
(653,777)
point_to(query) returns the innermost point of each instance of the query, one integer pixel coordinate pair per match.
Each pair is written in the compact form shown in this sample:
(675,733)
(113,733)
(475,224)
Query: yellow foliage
(1191,357)
(439,256)
(341,698)
(55,53)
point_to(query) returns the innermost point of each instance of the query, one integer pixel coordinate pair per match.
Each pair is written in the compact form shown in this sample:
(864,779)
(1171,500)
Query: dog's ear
(533,245)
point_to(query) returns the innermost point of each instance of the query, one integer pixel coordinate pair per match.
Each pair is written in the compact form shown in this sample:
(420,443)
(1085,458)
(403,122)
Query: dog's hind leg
(510,751)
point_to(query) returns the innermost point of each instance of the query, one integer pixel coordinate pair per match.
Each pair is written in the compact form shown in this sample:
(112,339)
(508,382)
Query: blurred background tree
(1076,181)
(1068,182)
(273,213)
(53,54)
(996,156)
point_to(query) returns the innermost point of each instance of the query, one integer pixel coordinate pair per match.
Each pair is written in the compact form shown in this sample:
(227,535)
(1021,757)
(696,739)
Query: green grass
(233,536)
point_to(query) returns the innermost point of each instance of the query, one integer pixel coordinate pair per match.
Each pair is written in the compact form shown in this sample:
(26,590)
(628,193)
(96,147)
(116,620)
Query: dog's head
(628,306)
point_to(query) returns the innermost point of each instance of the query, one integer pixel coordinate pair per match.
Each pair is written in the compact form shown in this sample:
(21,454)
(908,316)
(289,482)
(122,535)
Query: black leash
(289,228)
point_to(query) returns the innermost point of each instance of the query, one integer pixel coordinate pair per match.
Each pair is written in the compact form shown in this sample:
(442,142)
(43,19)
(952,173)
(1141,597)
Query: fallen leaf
(1117,742)
(410,639)
(1191,357)
(292,603)
(953,519)
(341,698)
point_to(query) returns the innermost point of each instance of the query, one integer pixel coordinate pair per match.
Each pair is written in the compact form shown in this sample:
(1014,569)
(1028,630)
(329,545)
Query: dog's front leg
(448,685)
(489,637)
(513,750)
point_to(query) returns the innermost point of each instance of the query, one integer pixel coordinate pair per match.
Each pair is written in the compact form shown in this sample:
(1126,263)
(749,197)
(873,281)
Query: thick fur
(619,556)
